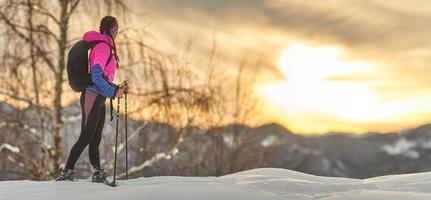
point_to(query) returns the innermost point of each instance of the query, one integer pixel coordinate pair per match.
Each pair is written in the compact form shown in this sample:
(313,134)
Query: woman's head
(109,26)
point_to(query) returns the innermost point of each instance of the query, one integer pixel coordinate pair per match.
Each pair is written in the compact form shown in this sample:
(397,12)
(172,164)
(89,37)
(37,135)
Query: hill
(257,184)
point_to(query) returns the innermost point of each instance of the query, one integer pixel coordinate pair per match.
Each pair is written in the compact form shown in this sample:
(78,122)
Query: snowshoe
(66,175)
(99,176)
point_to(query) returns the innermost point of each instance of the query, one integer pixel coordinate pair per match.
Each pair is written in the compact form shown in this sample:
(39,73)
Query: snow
(402,147)
(9,147)
(257,184)
(304,150)
(229,140)
(32,130)
(426,144)
(269,141)
(154,159)
(72,118)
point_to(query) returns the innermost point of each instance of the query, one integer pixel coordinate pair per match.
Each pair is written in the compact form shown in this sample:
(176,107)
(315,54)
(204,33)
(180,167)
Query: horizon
(71,104)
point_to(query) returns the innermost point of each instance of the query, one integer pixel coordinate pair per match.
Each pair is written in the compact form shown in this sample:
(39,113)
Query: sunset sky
(334,65)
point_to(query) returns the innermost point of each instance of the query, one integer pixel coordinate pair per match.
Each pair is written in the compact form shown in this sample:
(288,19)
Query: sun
(303,64)
(312,89)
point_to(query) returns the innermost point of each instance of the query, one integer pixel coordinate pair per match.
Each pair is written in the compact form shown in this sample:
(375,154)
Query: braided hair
(107,24)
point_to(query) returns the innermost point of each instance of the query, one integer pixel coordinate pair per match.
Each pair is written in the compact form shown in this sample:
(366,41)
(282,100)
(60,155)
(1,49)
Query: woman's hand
(120,92)
(126,89)
(125,85)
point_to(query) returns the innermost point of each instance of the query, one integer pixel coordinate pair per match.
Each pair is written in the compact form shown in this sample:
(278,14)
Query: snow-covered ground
(258,184)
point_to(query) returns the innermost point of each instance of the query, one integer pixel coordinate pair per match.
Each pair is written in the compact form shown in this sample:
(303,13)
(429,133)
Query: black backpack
(77,65)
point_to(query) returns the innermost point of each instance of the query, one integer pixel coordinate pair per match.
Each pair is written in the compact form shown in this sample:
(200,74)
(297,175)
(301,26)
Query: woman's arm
(106,89)
(100,55)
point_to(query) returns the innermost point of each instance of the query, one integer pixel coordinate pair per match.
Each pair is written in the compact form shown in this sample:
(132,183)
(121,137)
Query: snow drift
(257,184)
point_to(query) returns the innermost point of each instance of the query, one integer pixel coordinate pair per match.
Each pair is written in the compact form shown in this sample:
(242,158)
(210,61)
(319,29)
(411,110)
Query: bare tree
(246,108)
(169,88)
(45,32)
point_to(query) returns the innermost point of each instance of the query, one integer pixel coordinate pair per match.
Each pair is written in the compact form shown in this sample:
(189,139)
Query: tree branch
(46,13)
(33,43)
(19,98)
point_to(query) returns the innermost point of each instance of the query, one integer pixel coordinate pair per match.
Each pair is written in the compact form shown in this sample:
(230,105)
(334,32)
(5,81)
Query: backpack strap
(110,56)
(111,106)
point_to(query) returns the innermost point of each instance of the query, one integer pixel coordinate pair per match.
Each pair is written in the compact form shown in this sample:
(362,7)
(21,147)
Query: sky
(335,65)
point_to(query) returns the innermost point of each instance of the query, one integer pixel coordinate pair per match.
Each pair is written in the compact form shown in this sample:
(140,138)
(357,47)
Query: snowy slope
(258,184)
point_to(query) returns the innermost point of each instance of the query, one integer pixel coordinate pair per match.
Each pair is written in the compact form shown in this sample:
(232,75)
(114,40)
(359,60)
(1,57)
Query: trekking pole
(113,184)
(125,113)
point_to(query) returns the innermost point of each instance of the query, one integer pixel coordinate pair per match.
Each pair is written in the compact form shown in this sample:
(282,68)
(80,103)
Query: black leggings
(93,119)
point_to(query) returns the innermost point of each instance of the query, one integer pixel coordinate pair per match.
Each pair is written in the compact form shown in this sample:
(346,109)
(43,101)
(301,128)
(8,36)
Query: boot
(66,175)
(99,176)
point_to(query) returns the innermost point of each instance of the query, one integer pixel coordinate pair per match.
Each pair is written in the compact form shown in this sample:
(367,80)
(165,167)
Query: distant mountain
(236,148)
(157,149)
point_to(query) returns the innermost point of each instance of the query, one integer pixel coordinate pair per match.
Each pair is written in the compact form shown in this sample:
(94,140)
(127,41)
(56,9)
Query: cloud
(348,21)
(392,34)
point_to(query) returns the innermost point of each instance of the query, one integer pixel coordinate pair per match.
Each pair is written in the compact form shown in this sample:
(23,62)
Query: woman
(102,69)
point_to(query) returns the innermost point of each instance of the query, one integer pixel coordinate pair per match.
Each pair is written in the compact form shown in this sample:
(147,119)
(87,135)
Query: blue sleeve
(106,89)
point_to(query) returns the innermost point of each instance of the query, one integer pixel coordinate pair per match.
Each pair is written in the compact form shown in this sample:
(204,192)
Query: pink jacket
(100,54)
(102,71)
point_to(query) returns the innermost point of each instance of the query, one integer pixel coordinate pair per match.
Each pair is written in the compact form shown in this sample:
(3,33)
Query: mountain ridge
(218,151)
